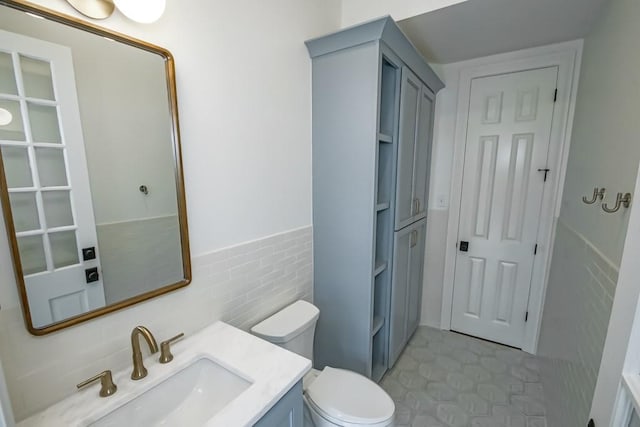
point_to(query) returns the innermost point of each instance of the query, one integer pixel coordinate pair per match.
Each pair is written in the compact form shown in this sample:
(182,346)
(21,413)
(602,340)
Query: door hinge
(555,96)
(526,316)
(535,250)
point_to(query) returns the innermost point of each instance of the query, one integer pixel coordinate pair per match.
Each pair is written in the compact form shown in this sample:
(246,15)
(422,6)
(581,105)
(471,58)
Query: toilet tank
(292,328)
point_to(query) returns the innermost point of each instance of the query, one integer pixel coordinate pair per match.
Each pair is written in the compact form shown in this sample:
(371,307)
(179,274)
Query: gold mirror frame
(71,21)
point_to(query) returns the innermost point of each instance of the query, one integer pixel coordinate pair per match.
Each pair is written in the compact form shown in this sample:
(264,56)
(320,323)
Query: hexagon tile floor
(444,379)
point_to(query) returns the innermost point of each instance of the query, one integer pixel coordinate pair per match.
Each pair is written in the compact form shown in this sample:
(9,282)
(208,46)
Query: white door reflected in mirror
(108,112)
(48,183)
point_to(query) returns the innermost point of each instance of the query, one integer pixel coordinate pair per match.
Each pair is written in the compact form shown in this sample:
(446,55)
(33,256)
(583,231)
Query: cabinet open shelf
(378,372)
(380,267)
(378,322)
(385,172)
(388,96)
(378,354)
(385,138)
(382,206)
(383,237)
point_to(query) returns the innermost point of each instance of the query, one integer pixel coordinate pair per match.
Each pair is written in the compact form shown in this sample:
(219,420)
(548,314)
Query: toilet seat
(348,399)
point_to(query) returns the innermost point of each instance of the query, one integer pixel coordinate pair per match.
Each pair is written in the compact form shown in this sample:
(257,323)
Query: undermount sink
(191,397)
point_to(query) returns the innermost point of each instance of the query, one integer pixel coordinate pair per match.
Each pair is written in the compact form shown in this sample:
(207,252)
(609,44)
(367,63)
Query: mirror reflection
(91,170)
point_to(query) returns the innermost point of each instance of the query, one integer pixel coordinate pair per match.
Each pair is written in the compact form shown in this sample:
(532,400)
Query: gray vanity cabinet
(287,412)
(358,179)
(406,294)
(414,150)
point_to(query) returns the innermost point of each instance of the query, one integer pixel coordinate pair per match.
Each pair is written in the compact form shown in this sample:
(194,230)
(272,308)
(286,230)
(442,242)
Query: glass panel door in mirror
(36,78)
(57,209)
(64,249)
(32,254)
(51,167)
(17,169)
(14,130)
(35,167)
(7,76)
(44,123)
(25,211)
(69,129)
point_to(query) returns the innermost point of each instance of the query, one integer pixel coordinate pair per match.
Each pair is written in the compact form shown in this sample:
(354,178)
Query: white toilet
(333,397)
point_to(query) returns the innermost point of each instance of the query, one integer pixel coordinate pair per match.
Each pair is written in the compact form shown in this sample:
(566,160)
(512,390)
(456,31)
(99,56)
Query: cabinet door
(287,412)
(406,287)
(399,293)
(422,159)
(409,108)
(416,270)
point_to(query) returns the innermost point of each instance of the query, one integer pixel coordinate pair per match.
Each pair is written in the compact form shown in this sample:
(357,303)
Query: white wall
(356,11)
(131,88)
(6,414)
(440,182)
(244,95)
(604,153)
(605,149)
(434,267)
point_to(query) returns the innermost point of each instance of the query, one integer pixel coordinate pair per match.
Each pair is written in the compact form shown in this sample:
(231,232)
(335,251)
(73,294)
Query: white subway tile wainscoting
(240,285)
(580,293)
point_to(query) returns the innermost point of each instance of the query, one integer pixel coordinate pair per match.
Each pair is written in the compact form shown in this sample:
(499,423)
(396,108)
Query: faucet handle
(106,381)
(165,348)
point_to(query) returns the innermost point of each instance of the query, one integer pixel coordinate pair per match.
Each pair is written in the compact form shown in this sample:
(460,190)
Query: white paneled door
(507,144)
(47,179)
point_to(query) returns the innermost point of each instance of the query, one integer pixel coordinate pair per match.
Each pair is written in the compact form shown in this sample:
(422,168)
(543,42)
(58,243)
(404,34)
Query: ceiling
(479,28)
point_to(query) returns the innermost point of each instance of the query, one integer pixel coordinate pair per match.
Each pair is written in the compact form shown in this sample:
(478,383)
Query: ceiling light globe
(5,117)
(142,11)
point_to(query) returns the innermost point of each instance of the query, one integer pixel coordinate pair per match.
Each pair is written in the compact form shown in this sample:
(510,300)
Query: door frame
(567,57)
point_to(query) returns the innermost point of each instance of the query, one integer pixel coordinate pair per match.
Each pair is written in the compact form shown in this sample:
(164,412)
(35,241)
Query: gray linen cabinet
(373,100)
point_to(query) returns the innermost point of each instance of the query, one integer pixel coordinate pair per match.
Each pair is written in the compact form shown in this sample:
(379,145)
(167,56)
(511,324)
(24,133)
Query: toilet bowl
(332,397)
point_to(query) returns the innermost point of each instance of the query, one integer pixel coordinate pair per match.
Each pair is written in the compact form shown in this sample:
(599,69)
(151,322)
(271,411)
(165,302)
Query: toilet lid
(350,397)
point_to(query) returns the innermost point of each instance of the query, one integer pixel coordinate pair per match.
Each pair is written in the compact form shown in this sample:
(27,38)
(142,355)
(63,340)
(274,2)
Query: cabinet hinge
(555,96)
(526,316)
(535,249)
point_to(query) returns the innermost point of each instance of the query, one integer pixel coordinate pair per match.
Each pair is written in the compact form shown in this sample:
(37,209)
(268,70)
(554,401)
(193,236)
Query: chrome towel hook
(598,193)
(621,200)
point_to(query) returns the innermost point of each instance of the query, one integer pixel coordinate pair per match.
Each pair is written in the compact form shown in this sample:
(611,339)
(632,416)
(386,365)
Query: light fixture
(96,9)
(142,11)
(5,117)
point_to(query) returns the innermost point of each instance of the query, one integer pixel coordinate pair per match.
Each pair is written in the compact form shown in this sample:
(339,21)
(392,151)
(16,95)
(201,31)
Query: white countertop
(271,370)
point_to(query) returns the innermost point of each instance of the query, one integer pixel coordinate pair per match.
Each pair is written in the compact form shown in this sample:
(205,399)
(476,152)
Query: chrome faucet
(139,371)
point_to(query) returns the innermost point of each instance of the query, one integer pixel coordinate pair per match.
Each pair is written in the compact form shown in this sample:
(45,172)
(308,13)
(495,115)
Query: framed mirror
(91,176)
